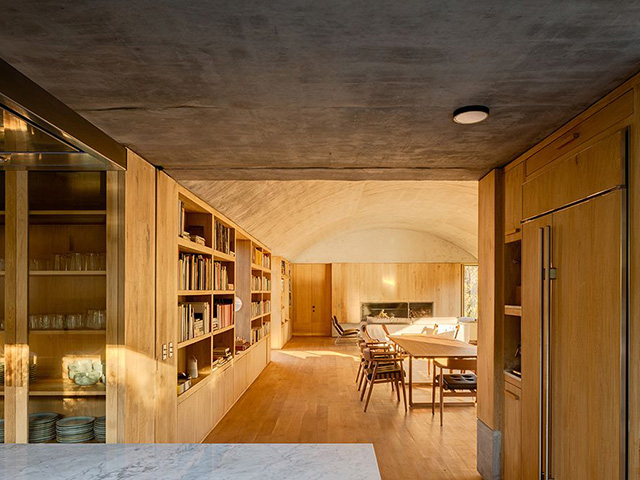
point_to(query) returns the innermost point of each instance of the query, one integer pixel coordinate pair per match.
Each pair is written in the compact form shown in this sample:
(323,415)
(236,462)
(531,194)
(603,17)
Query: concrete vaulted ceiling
(335,90)
(332,221)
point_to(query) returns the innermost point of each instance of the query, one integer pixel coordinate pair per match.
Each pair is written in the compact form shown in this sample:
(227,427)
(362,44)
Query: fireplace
(403,313)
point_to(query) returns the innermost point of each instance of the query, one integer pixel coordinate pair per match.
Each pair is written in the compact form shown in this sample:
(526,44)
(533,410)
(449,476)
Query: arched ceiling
(291,217)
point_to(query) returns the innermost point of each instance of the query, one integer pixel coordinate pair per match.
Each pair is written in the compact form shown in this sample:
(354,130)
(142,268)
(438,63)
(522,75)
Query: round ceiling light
(470,114)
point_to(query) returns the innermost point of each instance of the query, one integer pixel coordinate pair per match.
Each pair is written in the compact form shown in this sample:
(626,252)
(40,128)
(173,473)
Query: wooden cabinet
(513,180)
(312,299)
(512,433)
(590,171)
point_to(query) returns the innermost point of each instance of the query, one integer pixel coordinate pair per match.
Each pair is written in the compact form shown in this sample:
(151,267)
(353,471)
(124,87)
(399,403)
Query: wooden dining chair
(383,368)
(453,384)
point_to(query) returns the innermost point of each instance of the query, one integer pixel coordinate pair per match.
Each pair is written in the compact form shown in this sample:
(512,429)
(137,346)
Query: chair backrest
(447,331)
(462,364)
(337,325)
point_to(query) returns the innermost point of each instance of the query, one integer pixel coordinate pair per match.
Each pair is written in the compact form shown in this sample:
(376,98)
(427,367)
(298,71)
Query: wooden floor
(308,395)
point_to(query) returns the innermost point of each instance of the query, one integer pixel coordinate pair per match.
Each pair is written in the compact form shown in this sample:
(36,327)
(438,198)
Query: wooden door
(585,342)
(585,384)
(512,438)
(531,338)
(312,299)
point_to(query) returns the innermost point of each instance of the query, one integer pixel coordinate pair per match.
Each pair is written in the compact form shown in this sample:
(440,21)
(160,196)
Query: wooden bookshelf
(199,338)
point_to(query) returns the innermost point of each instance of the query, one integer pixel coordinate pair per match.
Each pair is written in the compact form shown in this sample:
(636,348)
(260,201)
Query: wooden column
(490,318)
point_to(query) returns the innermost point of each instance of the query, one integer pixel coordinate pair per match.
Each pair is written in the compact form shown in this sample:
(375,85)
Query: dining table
(430,347)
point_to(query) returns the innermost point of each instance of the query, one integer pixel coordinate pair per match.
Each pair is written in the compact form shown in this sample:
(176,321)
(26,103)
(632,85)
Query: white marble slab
(182,461)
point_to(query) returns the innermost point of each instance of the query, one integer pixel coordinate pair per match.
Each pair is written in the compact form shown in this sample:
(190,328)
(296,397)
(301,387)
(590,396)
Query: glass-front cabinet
(57,322)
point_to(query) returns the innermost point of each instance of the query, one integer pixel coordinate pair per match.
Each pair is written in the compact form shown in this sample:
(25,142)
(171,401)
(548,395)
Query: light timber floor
(307,394)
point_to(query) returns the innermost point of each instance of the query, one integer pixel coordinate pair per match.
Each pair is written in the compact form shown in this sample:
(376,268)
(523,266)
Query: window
(470,291)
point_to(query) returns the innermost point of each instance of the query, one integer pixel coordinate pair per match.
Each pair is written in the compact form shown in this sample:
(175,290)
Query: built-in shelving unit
(254,290)
(206,289)
(513,304)
(67,290)
(282,296)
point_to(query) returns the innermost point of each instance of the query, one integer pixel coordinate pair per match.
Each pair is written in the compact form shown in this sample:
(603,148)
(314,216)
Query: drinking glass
(92,261)
(46,321)
(59,261)
(73,321)
(57,322)
(35,322)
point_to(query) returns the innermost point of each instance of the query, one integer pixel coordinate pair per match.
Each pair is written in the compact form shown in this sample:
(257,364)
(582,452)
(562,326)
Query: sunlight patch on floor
(317,353)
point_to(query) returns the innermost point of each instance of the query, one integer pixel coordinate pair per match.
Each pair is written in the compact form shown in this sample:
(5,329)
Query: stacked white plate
(1,373)
(32,372)
(42,427)
(100,429)
(74,429)
(1,430)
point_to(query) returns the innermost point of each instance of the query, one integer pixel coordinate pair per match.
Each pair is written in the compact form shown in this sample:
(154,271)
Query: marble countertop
(186,461)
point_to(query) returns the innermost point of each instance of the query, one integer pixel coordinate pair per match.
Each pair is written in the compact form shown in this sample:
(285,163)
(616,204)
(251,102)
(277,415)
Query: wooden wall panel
(312,299)
(490,298)
(138,395)
(354,283)
(166,318)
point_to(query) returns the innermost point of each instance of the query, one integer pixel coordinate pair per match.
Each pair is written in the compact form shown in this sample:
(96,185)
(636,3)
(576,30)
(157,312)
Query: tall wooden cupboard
(567,351)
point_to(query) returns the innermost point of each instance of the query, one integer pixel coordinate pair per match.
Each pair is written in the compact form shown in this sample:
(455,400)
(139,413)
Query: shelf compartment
(188,246)
(186,343)
(51,387)
(218,331)
(223,257)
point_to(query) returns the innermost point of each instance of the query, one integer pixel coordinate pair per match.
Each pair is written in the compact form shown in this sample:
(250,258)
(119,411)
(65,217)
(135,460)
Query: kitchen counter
(188,461)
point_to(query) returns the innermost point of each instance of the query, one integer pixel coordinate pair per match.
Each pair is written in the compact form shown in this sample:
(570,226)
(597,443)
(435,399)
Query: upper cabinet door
(595,169)
(513,179)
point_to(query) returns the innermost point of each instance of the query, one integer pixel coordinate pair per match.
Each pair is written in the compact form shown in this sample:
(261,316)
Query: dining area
(435,358)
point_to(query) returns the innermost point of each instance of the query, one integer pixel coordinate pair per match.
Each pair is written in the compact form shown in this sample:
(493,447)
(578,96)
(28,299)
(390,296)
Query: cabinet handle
(512,231)
(517,397)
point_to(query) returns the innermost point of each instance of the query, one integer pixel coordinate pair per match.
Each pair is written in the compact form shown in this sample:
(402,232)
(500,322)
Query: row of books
(261,258)
(195,320)
(258,308)
(223,238)
(220,277)
(223,310)
(194,272)
(256,283)
(266,283)
(260,332)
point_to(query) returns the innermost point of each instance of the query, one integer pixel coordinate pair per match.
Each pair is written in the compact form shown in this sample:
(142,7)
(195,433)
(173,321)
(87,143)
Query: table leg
(410,380)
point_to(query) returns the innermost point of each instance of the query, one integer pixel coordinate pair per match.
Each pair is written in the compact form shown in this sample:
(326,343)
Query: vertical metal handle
(547,367)
(541,376)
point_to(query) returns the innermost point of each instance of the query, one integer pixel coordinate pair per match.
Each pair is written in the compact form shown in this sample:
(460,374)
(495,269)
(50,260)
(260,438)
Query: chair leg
(359,370)
(371,383)
(441,396)
(397,389)
(433,390)
(404,392)
(364,388)
(364,374)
